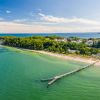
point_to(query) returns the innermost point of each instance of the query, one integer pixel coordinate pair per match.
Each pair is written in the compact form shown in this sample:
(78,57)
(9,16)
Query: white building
(89,42)
(61,40)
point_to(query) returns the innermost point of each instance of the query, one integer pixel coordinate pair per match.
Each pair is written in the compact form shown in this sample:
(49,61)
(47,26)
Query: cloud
(35,12)
(20,20)
(48,24)
(50,18)
(1,19)
(8,11)
(13,27)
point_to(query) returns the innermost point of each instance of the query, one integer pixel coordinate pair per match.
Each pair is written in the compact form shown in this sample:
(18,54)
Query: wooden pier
(56,78)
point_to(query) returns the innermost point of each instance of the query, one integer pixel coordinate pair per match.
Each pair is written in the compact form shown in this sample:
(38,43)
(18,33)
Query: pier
(58,77)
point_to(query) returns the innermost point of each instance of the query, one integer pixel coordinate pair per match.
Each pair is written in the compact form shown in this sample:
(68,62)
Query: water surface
(21,71)
(81,35)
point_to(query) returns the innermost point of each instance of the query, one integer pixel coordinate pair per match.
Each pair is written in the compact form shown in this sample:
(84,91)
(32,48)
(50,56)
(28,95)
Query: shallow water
(21,71)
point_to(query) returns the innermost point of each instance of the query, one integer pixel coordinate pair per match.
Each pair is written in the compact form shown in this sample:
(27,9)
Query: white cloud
(35,12)
(20,20)
(50,18)
(1,19)
(49,24)
(12,27)
(8,11)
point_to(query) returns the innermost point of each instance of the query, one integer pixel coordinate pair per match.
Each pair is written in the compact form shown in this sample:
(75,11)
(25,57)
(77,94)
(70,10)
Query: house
(61,40)
(96,56)
(76,41)
(79,41)
(72,51)
(89,42)
(1,41)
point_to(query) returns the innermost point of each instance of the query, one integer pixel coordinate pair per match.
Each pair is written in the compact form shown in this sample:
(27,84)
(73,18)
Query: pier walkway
(56,78)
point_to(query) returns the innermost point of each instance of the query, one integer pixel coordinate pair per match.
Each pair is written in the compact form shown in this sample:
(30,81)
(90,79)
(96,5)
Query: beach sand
(68,57)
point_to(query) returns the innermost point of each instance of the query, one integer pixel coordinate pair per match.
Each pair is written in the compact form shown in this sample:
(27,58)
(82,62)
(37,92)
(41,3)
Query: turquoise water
(81,35)
(21,71)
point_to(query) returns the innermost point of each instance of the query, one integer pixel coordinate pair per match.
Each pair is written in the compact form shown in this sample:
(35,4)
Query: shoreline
(62,56)
(68,57)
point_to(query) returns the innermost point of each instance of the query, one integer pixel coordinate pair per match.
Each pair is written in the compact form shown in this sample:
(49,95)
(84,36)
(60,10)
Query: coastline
(62,56)
(68,57)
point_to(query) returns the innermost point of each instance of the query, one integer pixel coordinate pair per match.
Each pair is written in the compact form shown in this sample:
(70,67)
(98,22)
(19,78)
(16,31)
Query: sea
(21,72)
(66,35)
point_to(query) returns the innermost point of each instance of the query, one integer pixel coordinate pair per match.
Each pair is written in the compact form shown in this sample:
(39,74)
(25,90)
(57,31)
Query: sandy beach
(68,57)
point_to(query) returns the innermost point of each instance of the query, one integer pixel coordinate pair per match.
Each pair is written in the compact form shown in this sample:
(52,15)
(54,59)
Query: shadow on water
(3,50)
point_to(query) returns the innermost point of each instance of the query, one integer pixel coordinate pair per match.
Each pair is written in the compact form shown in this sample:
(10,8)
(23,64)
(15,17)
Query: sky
(49,16)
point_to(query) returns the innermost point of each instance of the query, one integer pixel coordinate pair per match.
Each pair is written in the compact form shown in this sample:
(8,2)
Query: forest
(54,44)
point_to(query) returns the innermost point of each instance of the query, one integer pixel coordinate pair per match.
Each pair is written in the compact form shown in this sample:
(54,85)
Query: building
(89,42)
(61,40)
